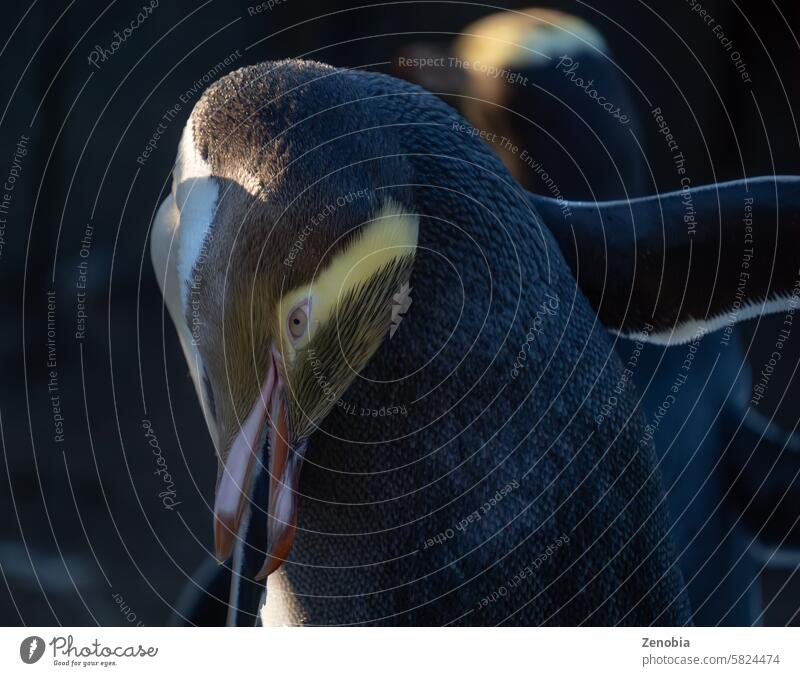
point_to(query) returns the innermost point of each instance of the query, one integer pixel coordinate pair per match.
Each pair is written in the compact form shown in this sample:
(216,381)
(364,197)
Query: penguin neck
(402,443)
(479,278)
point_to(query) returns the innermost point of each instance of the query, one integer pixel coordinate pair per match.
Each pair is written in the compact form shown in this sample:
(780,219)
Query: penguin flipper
(665,267)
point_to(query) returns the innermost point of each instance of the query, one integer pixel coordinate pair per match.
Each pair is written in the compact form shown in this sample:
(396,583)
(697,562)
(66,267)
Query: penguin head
(284,257)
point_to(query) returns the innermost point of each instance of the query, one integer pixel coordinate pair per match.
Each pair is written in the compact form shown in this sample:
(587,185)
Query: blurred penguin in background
(544,90)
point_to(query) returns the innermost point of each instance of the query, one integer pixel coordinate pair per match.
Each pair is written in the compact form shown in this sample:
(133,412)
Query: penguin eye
(298,322)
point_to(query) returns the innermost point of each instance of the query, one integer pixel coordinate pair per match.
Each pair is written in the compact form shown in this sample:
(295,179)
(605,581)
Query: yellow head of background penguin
(545,91)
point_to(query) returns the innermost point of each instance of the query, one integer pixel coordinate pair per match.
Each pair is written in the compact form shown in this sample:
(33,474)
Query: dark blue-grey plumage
(565,142)
(687,255)
(375,491)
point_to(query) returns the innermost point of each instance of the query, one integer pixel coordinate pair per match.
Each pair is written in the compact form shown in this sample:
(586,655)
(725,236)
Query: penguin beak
(267,420)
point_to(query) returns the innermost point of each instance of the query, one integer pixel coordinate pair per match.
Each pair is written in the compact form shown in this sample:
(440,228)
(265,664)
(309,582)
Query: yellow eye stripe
(392,234)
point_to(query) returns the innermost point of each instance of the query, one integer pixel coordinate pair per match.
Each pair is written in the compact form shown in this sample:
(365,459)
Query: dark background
(84,536)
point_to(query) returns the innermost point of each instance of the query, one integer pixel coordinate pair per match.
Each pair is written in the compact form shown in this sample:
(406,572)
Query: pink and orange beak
(285,462)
